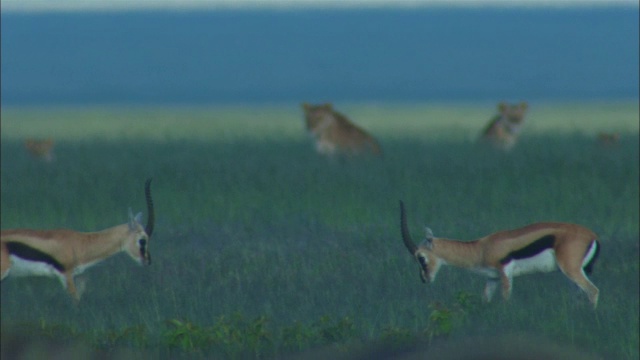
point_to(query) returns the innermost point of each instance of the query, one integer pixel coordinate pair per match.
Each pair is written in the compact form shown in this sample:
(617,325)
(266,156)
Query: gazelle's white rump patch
(590,253)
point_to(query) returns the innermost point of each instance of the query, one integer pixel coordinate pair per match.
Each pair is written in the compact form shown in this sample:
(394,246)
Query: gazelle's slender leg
(587,286)
(71,286)
(5,263)
(580,278)
(81,285)
(490,289)
(571,264)
(507,280)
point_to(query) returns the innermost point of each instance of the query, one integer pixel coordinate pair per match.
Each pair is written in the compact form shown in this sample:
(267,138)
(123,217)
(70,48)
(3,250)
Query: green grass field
(264,249)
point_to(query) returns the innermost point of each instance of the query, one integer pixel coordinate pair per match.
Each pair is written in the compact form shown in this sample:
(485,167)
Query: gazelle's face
(138,246)
(429,264)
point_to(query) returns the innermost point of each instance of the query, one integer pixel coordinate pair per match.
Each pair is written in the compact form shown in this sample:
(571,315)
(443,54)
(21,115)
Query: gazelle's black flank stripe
(531,250)
(589,267)
(28,253)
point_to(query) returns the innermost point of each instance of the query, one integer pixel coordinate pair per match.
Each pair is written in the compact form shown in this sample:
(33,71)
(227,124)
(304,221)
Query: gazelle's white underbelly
(22,267)
(542,262)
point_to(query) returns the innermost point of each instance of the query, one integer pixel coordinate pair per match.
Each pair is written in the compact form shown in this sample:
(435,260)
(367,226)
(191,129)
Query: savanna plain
(264,249)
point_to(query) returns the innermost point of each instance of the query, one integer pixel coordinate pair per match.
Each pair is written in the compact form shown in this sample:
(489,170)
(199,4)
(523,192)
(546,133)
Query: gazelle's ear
(131,220)
(134,220)
(428,243)
(428,233)
(428,239)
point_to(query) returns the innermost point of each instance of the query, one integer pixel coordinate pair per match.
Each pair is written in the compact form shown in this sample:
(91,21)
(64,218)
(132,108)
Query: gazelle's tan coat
(65,253)
(540,247)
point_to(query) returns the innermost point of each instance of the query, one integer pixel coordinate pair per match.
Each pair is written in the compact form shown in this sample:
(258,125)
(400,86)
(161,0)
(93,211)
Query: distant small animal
(608,139)
(41,149)
(63,253)
(540,247)
(335,134)
(503,130)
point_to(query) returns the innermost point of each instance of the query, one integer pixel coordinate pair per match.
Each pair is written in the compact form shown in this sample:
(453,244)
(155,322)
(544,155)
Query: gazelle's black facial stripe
(422,261)
(424,273)
(26,252)
(144,252)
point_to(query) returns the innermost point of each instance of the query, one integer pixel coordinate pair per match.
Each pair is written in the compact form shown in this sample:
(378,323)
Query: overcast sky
(64,5)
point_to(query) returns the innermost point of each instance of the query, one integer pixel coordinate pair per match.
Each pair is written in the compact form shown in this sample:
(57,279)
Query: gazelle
(540,247)
(66,253)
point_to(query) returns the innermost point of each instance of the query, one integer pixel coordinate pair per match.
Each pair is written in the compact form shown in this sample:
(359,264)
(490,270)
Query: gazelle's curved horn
(150,213)
(406,237)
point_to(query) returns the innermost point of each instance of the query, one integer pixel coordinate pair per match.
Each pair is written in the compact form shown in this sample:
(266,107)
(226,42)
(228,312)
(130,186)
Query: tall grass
(252,223)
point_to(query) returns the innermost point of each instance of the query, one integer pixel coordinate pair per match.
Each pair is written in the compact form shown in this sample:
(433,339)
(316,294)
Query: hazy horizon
(341,55)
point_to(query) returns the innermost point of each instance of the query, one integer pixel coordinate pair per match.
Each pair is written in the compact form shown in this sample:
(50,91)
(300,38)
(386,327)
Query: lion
(503,129)
(40,148)
(335,134)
